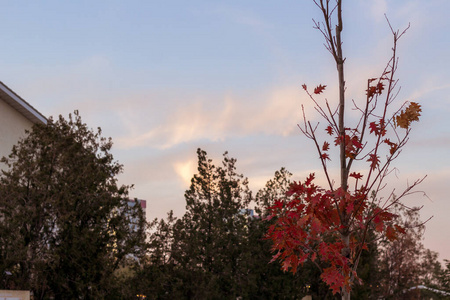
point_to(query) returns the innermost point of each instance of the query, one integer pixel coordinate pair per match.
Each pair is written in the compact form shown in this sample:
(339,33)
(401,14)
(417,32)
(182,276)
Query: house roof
(22,106)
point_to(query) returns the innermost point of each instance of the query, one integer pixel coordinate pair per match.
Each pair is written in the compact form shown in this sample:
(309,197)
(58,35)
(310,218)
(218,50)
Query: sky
(163,78)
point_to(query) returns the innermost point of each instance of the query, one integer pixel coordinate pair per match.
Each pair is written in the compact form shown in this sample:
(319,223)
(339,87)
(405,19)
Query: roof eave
(21,105)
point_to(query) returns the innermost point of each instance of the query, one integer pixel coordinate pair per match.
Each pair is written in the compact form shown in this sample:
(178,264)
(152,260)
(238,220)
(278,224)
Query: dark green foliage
(215,251)
(66,226)
(214,230)
(274,189)
(368,271)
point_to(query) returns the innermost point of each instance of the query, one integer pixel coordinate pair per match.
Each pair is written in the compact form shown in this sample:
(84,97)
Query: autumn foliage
(329,225)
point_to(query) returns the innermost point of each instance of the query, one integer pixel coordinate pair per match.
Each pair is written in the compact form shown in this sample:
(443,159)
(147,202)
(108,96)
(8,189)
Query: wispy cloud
(275,112)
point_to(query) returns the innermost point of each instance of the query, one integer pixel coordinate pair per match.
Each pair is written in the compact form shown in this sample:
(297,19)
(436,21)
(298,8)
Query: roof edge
(22,106)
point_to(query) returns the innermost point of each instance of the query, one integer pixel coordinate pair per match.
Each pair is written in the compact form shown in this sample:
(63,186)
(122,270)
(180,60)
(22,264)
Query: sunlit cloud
(273,113)
(185,170)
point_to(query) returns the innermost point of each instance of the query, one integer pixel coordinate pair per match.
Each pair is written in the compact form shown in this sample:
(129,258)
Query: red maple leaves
(352,144)
(309,226)
(329,130)
(329,226)
(378,128)
(375,89)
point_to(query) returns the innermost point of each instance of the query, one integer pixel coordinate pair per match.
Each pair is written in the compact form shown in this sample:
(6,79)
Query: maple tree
(329,226)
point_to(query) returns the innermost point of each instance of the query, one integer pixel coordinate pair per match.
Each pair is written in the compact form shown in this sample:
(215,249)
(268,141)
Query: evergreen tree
(65,224)
(400,260)
(214,230)
(444,277)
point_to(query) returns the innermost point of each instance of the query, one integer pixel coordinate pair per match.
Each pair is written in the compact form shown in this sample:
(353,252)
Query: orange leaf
(410,114)
(393,146)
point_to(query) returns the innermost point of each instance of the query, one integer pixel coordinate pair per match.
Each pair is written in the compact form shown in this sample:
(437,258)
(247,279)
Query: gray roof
(22,106)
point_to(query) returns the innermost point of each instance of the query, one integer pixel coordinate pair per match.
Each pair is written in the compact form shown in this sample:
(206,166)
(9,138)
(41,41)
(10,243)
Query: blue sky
(163,78)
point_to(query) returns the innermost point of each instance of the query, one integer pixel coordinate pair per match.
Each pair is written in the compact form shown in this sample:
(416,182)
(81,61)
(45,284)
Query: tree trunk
(345,295)
(346,252)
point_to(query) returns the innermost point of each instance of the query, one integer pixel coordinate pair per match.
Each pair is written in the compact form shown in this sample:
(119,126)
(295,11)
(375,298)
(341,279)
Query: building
(16,115)
(141,202)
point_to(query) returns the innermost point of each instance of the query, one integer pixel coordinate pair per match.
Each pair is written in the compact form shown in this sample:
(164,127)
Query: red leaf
(325,146)
(319,89)
(371,91)
(333,278)
(310,179)
(304,86)
(378,129)
(355,175)
(374,128)
(391,234)
(380,87)
(286,263)
(329,130)
(325,156)
(350,208)
(400,229)
(275,257)
(374,90)
(374,161)
(316,225)
(393,146)
(337,140)
(356,143)
(379,226)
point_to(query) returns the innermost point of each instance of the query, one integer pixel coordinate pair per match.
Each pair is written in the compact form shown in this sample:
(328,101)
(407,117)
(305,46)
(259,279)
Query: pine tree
(214,229)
